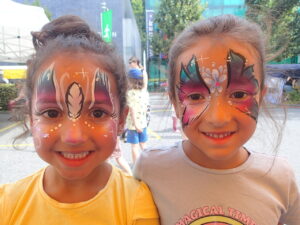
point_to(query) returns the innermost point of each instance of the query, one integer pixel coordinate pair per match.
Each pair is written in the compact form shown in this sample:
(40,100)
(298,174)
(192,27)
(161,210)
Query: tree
(280,22)
(172,17)
(139,13)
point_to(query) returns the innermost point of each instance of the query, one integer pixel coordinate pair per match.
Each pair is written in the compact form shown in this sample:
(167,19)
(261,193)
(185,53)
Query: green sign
(106,25)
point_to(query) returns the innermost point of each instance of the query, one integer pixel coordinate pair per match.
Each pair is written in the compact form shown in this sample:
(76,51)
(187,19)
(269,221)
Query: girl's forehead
(75,67)
(213,51)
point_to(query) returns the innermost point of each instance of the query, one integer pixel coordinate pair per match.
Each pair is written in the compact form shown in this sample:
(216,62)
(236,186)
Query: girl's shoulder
(275,168)
(136,193)
(11,193)
(12,189)
(276,163)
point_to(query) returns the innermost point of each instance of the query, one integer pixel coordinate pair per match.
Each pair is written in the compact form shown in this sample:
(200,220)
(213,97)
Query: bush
(7,92)
(293,97)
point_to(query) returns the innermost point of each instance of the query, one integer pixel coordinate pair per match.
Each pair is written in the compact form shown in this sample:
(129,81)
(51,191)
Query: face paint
(74,124)
(242,85)
(192,92)
(102,92)
(45,87)
(74,100)
(215,77)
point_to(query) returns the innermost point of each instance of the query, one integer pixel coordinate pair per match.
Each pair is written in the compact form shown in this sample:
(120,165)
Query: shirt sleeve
(2,204)
(137,170)
(145,212)
(292,215)
(130,99)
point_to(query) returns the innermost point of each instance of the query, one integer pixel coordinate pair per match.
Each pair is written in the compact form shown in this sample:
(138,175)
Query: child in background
(136,123)
(76,92)
(134,63)
(216,84)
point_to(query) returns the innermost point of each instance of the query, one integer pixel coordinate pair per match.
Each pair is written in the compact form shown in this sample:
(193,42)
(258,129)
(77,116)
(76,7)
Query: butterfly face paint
(242,84)
(195,86)
(192,92)
(74,118)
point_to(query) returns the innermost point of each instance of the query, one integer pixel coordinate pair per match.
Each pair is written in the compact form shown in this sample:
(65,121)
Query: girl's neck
(198,157)
(76,190)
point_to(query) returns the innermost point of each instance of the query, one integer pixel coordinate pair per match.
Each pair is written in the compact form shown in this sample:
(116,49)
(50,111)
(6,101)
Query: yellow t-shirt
(124,201)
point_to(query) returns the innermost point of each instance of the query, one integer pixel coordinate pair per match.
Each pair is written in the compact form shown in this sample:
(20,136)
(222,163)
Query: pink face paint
(192,92)
(45,90)
(242,85)
(102,92)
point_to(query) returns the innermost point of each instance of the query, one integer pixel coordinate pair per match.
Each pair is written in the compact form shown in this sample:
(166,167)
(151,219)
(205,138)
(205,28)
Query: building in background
(220,7)
(119,25)
(157,66)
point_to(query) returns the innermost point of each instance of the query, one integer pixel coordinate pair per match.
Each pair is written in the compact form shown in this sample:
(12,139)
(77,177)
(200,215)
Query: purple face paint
(192,92)
(101,92)
(242,85)
(45,90)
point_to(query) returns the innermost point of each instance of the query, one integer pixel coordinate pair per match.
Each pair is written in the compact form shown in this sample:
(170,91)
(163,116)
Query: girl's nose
(218,113)
(73,133)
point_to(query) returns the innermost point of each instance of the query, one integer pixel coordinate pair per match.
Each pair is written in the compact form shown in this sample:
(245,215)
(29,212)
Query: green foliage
(293,97)
(139,13)
(7,92)
(280,21)
(38,3)
(172,17)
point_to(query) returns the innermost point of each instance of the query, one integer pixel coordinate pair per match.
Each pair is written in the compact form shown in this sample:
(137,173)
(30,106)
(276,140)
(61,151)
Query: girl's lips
(218,135)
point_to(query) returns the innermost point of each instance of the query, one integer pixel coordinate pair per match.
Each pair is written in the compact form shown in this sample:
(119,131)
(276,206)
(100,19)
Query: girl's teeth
(213,135)
(69,155)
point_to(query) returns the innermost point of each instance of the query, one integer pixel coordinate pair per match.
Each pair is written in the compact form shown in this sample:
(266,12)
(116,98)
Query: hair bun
(68,25)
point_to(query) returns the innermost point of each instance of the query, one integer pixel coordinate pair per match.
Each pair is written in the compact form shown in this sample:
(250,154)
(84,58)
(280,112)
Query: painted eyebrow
(99,102)
(46,99)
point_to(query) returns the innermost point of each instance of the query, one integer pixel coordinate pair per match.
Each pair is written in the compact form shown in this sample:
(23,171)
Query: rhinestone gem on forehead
(214,77)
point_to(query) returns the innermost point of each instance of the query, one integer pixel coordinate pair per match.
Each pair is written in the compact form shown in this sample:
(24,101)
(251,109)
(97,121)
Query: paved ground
(15,164)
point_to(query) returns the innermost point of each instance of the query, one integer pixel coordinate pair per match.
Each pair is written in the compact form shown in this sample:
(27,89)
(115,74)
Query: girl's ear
(30,121)
(122,119)
(263,93)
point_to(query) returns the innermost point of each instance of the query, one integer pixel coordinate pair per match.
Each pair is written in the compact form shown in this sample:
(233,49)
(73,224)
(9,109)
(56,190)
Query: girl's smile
(218,135)
(75,159)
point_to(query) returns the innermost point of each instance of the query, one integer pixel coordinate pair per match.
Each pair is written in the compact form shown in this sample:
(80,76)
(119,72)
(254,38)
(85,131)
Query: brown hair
(229,25)
(72,34)
(136,83)
(134,59)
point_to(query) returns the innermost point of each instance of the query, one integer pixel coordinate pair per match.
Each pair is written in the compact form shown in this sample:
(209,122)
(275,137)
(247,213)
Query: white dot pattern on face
(89,125)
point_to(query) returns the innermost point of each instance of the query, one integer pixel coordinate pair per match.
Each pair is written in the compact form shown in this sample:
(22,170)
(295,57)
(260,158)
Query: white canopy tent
(16,22)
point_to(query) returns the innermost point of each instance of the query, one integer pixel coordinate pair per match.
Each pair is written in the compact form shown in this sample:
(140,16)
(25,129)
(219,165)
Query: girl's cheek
(104,130)
(192,112)
(249,107)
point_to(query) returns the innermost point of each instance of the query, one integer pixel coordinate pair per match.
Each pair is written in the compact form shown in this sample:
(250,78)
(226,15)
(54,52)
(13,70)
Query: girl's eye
(51,113)
(239,95)
(195,97)
(97,113)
